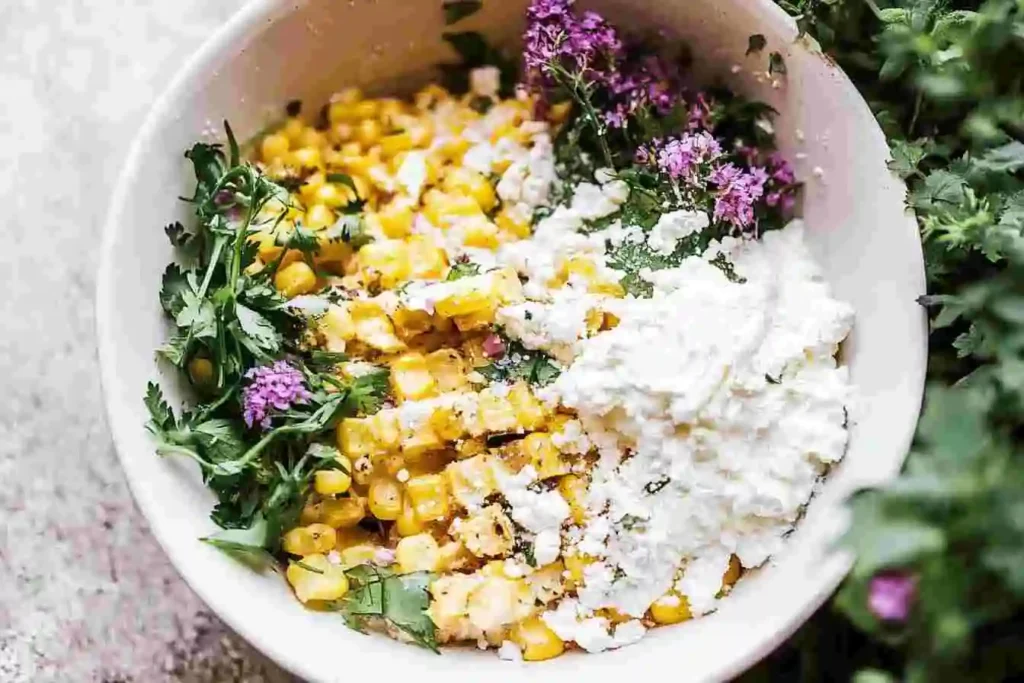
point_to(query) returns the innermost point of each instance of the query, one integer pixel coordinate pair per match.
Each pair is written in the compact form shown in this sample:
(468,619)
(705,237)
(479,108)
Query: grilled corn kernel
(487,533)
(307,540)
(292,129)
(355,437)
(385,498)
(396,218)
(574,489)
(316,578)
(530,412)
(575,565)
(427,261)
(411,322)
(448,369)
(274,147)
(536,640)
(420,441)
(472,183)
(342,513)
(419,553)
(544,455)
(363,553)
(429,496)
(410,377)
(670,608)
(295,279)
(332,482)
(472,479)
(408,524)
(386,261)
(319,217)
(495,413)
(305,158)
(374,328)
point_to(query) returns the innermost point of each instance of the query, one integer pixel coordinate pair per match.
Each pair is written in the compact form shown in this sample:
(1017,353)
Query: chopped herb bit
(379,595)
(462,269)
(518,362)
(653,487)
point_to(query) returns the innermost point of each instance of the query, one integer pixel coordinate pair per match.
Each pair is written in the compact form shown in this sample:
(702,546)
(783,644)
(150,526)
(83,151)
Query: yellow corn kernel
(294,279)
(274,147)
(408,524)
(386,260)
(505,285)
(368,132)
(390,145)
(732,574)
(419,553)
(574,489)
(454,148)
(333,253)
(530,412)
(670,608)
(385,430)
(385,498)
(446,423)
(468,296)
(342,513)
(442,209)
(471,480)
(374,328)
(411,322)
(341,132)
(319,217)
(536,640)
(429,96)
(333,482)
(332,195)
(469,182)
(479,232)
(448,369)
(420,441)
(429,496)
(355,555)
(544,455)
(307,540)
(487,533)
(575,564)
(337,327)
(355,437)
(396,218)
(305,157)
(510,223)
(292,129)
(495,413)
(410,378)
(309,188)
(311,137)
(321,581)
(427,261)
(467,448)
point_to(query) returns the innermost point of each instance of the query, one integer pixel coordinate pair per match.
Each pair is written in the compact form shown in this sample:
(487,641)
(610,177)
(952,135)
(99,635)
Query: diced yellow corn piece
(472,480)
(574,565)
(355,555)
(497,602)
(511,224)
(574,489)
(410,322)
(487,533)
(536,641)
(333,482)
(319,217)
(385,498)
(495,413)
(417,441)
(292,129)
(274,147)
(307,540)
(386,261)
(419,553)
(530,412)
(385,430)
(427,261)
(544,456)
(326,581)
(408,524)
(479,232)
(374,328)
(448,369)
(670,608)
(305,158)
(446,423)
(295,279)
(396,218)
(355,437)
(390,145)
(342,513)
(465,181)
(442,209)
(429,496)
(410,377)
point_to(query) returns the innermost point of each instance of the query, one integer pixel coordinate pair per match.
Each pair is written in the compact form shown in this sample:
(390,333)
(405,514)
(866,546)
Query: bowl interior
(276,51)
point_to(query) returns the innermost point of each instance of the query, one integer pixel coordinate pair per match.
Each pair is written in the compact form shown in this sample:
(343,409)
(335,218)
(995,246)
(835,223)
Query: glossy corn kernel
(574,490)
(374,328)
(305,158)
(495,413)
(316,578)
(419,553)
(536,641)
(319,217)
(448,369)
(465,181)
(670,608)
(385,498)
(390,145)
(307,540)
(342,513)
(363,553)
(544,456)
(292,129)
(530,412)
(429,496)
(408,524)
(332,482)
(442,209)
(420,440)
(396,218)
(274,146)
(386,261)
(295,279)
(410,377)
(427,261)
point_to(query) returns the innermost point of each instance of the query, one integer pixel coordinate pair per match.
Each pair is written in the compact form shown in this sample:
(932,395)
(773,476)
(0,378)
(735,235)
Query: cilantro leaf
(260,331)
(460,270)
(400,601)
(174,285)
(161,415)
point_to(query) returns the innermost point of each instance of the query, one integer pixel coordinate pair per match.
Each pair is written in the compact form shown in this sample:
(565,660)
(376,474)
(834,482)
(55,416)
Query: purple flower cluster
(648,82)
(680,157)
(556,37)
(738,190)
(780,190)
(273,387)
(891,595)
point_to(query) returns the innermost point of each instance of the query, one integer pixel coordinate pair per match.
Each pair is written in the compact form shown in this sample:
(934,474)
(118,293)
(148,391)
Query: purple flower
(891,594)
(780,170)
(557,38)
(737,192)
(680,157)
(273,387)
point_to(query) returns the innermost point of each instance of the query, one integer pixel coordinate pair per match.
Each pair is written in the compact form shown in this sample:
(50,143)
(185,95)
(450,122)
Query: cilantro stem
(580,92)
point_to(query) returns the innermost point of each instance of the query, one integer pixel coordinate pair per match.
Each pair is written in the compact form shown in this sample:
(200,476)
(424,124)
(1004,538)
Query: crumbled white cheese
(674,226)
(510,652)
(729,402)
(571,438)
(412,174)
(547,547)
(535,511)
(570,621)
(555,326)
(485,81)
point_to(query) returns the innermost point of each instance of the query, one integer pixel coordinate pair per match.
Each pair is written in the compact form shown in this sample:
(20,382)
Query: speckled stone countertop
(85,592)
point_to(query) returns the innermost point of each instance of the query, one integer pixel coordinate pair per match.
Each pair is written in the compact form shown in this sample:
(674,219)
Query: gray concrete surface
(85,592)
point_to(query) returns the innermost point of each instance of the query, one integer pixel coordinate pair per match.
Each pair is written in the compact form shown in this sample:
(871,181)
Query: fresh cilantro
(652,487)
(379,596)
(460,270)
(520,363)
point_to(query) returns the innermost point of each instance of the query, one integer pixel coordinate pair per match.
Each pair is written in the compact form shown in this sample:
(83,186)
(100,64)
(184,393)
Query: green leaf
(907,156)
(457,10)
(160,414)
(246,545)
(197,315)
(260,330)
(234,157)
(1008,158)
(940,190)
(174,349)
(406,599)
(756,43)
(173,285)
(219,439)
(461,270)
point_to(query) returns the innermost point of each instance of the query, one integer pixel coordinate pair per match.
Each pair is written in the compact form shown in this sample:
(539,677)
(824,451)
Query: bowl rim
(217,45)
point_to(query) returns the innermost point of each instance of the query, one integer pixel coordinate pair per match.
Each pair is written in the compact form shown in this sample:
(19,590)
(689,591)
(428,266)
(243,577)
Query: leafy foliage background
(945,81)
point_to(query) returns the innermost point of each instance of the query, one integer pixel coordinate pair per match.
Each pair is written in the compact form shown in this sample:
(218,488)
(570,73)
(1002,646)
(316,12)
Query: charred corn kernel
(374,328)
(332,482)
(495,413)
(410,322)
(410,377)
(334,253)
(420,441)
(544,455)
(355,437)
(316,578)
(472,183)
(337,327)
(510,223)
(274,146)
(474,321)
(530,412)
(670,608)
(396,218)
(319,217)
(497,602)
(342,513)
(305,157)
(353,556)
(471,480)
(307,540)
(408,524)
(487,533)
(732,574)
(294,279)
(467,448)
(575,565)
(292,129)
(427,261)
(390,145)
(385,430)
(536,640)
(311,511)
(200,371)
(368,132)
(448,369)
(385,498)
(479,232)
(446,423)
(429,496)
(574,490)
(419,553)
(385,260)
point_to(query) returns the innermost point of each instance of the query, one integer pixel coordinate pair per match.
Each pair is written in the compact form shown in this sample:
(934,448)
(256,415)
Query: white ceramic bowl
(277,50)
